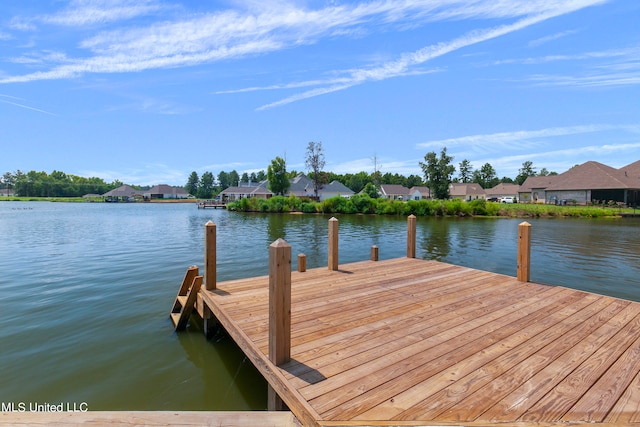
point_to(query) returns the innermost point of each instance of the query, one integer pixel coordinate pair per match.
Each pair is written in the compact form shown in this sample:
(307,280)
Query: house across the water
(590,182)
(300,186)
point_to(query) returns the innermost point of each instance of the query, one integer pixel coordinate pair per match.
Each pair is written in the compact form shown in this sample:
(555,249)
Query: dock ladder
(186,298)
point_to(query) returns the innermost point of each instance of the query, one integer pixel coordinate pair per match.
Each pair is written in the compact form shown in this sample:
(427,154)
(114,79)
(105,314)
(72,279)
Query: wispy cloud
(630,53)
(495,141)
(561,160)
(402,66)
(612,67)
(234,33)
(88,12)
(602,77)
(547,39)
(11,100)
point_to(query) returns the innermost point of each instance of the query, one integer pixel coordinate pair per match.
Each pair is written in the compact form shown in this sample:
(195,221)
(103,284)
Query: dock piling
(210,255)
(279,311)
(333,244)
(374,253)
(524,252)
(302,263)
(411,236)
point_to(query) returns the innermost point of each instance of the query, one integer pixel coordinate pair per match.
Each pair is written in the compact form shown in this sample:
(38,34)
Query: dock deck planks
(408,340)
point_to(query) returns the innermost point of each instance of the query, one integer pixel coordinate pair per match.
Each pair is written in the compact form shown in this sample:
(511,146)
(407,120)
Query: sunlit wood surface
(421,342)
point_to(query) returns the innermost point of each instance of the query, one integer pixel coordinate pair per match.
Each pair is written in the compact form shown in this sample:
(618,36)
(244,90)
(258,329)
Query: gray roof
(301,185)
(458,189)
(537,182)
(336,187)
(393,190)
(425,191)
(122,191)
(166,189)
(503,189)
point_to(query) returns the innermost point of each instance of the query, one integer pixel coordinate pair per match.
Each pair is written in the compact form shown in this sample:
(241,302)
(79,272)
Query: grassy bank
(362,204)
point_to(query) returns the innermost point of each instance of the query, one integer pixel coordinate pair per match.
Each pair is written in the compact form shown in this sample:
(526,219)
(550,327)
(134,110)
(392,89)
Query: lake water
(86,289)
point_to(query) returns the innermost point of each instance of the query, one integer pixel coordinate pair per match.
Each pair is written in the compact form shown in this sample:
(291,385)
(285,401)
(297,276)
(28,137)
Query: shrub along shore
(363,204)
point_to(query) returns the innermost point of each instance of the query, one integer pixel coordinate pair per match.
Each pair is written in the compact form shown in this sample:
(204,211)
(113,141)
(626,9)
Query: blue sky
(148,91)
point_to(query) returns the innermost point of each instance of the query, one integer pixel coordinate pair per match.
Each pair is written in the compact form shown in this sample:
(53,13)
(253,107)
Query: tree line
(55,184)
(438,174)
(207,185)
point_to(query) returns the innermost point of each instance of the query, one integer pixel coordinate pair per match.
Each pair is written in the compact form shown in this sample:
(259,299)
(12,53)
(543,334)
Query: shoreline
(421,208)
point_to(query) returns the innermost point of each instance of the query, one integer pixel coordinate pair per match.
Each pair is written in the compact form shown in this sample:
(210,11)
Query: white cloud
(87,12)
(495,141)
(12,101)
(624,54)
(547,39)
(562,160)
(402,66)
(384,165)
(594,80)
(231,34)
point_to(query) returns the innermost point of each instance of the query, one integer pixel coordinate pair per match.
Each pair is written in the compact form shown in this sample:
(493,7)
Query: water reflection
(101,278)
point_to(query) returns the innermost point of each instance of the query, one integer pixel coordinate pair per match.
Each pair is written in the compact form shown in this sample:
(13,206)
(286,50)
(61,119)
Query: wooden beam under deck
(414,342)
(148,418)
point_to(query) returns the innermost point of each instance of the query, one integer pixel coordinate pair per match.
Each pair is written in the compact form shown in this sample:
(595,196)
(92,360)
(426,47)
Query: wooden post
(333,244)
(279,311)
(210,255)
(374,253)
(524,252)
(302,263)
(411,236)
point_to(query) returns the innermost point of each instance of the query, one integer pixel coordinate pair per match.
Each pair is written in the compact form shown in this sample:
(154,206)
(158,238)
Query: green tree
(234,178)
(223,180)
(9,180)
(205,189)
(315,163)
(438,173)
(261,176)
(413,181)
(356,182)
(192,184)
(465,173)
(371,190)
(277,176)
(524,172)
(545,172)
(244,177)
(486,176)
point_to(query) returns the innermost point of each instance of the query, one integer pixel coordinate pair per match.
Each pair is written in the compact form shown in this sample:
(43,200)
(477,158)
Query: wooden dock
(416,342)
(215,204)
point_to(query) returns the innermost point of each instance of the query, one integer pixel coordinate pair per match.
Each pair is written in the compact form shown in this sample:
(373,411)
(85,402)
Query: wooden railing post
(302,263)
(411,236)
(279,312)
(333,244)
(524,252)
(210,255)
(374,253)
